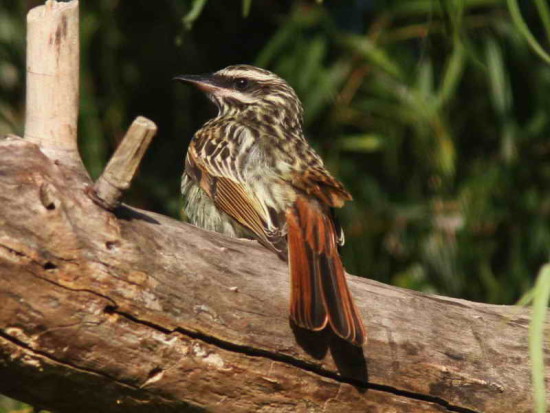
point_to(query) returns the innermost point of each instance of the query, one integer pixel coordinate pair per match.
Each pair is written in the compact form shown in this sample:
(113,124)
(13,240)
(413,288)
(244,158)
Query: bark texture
(130,311)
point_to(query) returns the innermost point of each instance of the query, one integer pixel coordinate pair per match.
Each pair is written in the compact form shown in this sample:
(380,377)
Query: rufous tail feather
(319,293)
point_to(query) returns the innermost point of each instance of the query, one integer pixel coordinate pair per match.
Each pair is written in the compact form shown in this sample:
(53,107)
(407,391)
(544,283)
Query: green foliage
(194,13)
(523,28)
(12,67)
(536,336)
(246,7)
(434,114)
(8,405)
(427,107)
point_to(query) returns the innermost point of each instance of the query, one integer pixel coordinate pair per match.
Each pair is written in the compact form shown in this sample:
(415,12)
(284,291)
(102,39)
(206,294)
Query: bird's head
(251,93)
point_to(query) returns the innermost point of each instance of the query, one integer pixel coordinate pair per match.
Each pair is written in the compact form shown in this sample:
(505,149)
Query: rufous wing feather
(320,294)
(317,182)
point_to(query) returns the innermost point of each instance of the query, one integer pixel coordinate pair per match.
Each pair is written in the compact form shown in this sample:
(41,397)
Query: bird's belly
(202,212)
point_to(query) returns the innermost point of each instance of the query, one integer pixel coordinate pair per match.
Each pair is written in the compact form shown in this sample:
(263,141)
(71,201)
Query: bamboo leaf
(371,52)
(544,12)
(536,337)
(522,27)
(452,75)
(500,90)
(361,143)
(246,7)
(194,13)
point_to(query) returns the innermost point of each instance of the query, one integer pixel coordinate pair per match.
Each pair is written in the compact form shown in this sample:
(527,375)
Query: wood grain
(137,310)
(123,165)
(52,89)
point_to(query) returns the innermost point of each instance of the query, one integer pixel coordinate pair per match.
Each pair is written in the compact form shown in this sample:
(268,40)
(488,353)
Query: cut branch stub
(122,167)
(52,79)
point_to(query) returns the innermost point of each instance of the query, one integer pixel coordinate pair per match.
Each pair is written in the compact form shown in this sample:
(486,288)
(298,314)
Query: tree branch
(163,314)
(123,165)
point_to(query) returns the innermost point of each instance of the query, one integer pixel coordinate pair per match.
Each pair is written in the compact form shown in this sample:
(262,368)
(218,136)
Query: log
(113,309)
(131,310)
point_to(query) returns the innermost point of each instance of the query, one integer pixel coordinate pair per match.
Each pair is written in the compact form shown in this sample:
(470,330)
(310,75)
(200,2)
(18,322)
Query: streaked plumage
(249,172)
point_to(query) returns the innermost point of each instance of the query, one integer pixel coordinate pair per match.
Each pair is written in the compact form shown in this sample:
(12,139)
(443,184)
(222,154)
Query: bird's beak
(203,82)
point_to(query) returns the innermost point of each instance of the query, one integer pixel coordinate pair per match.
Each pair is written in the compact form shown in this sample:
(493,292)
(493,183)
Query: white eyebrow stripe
(249,74)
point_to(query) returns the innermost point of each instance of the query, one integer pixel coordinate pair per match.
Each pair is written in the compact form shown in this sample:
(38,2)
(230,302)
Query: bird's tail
(319,294)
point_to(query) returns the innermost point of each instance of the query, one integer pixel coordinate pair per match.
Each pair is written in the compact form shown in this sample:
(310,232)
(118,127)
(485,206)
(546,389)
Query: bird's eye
(241,83)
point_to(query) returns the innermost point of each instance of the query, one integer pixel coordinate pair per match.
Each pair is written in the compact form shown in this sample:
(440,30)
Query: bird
(250,173)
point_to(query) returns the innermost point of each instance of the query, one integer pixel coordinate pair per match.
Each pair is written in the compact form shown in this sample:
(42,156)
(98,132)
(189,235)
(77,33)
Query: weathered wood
(52,79)
(120,170)
(133,310)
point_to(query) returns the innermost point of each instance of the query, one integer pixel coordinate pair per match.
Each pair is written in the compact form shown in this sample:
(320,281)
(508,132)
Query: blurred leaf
(446,154)
(324,90)
(276,44)
(8,405)
(526,298)
(246,7)
(524,30)
(500,90)
(414,278)
(452,75)
(426,79)
(194,13)
(419,7)
(311,62)
(536,337)
(544,13)
(501,95)
(376,55)
(361,143)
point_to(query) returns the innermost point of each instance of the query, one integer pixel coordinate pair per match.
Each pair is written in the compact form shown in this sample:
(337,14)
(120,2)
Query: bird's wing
(216,165)
(316,181)
(305,171)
